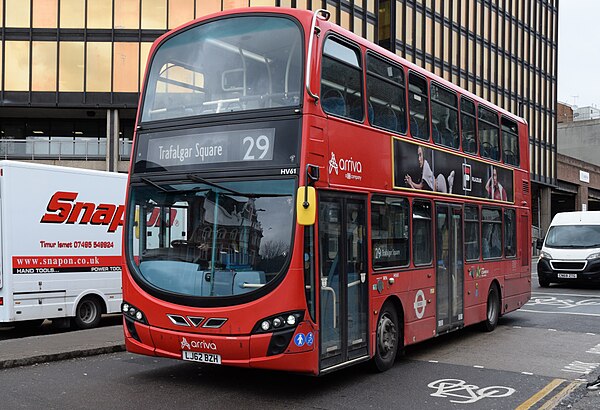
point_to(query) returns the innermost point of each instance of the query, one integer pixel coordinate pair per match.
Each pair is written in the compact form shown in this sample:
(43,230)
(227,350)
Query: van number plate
(567,276)
(201,357)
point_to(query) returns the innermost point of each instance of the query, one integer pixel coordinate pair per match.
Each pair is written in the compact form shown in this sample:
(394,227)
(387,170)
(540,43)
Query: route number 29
(261,143)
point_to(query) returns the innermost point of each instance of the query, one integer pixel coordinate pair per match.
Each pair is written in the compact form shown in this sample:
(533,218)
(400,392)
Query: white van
(571,249)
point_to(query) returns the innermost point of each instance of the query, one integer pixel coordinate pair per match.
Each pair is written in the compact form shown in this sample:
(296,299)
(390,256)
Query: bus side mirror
(539,243)
(306,215)
(306,200)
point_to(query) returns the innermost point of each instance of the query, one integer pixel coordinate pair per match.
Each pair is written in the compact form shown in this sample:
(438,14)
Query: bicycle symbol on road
(562,303)
(469,393)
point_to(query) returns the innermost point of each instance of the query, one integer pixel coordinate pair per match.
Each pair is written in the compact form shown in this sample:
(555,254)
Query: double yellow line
(552,401)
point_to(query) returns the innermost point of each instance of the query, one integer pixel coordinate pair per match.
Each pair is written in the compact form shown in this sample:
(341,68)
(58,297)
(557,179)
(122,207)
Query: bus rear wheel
(88,313)
(388,338)
(492,310)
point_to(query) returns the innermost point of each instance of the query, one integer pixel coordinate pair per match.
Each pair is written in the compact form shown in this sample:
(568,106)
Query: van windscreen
(573,236)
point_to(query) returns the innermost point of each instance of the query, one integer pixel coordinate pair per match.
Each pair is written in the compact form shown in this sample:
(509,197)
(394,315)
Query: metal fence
(61,148)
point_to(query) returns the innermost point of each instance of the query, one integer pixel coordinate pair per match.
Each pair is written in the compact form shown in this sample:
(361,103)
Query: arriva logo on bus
(350,167)
(198,344)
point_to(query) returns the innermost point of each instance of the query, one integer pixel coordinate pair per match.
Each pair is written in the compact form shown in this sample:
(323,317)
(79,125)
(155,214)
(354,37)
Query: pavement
(25,351)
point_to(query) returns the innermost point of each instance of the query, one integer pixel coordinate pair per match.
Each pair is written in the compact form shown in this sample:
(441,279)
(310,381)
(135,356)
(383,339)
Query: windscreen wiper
(169,191)
(154,184)
(196,178)
(231,191)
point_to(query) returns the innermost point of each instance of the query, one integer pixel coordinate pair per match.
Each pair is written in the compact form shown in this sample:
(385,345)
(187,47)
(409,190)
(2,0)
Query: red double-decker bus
(301,199)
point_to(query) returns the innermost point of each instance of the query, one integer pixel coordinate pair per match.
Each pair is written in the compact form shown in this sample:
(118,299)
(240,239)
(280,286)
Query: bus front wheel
(388,338)
(492,312)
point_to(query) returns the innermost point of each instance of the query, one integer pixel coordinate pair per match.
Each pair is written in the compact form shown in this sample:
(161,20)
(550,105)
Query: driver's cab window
(341,80)
(165,227)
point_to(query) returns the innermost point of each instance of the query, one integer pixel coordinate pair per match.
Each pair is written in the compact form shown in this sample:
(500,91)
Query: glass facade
(84,54)
(504,51)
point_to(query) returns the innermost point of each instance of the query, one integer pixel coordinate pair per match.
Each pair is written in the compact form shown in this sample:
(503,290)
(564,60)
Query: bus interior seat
(386,118)
(414,128)
(448,139)
(333,102)
(437,136)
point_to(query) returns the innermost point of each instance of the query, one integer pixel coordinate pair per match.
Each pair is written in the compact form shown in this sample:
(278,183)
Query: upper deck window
(489,134)
(510,142)
(418,105)
(386,95)
(444,116)
(341,85)
(468,120)
(234,64)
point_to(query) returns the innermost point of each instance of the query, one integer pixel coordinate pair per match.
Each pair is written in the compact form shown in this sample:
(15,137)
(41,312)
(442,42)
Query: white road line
(517,327)
(566,294)
(552,330)
(560,313)
(591,334)
(433,361)
(527,373)
(478,366)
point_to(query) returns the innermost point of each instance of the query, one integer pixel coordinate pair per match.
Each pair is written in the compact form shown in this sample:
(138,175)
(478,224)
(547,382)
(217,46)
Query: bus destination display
(214,147)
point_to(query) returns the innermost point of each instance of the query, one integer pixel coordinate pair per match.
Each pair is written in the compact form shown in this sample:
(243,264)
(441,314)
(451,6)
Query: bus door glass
(343,279)
(449,267)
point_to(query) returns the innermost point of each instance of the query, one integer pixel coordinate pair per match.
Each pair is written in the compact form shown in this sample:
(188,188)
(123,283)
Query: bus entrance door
(449,267)
(343,279)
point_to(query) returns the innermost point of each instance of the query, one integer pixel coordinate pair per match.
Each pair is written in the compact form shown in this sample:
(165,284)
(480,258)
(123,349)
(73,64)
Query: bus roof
(305,17)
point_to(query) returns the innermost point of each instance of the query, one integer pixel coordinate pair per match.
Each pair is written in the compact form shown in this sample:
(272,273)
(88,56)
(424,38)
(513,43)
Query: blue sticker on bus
(300,339)
(310,338)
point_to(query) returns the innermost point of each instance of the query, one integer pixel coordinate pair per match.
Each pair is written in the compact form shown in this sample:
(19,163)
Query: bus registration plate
(201,357)
(567,276)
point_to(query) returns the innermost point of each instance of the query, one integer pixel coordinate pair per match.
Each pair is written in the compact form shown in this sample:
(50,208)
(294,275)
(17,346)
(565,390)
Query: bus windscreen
(223,66)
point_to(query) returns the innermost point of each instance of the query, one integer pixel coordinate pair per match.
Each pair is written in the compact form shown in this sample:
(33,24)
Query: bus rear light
(1,301)
(284,321)
(134,313)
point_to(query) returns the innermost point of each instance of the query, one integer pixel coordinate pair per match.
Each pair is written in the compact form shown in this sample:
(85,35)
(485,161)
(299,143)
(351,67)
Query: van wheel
(492,310)
(544,283)
(388,339)
(88,313)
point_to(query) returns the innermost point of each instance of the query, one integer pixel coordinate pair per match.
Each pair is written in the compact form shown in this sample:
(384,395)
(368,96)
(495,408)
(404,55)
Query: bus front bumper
(251,351)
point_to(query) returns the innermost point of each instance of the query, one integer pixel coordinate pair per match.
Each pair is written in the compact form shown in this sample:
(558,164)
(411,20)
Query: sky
(579,52)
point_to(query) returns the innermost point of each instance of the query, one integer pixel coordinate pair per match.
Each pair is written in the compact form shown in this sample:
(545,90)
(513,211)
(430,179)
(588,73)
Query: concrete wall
(581,140)
(569,171)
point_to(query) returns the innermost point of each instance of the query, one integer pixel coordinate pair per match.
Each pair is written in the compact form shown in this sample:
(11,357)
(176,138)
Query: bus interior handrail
(323,15)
